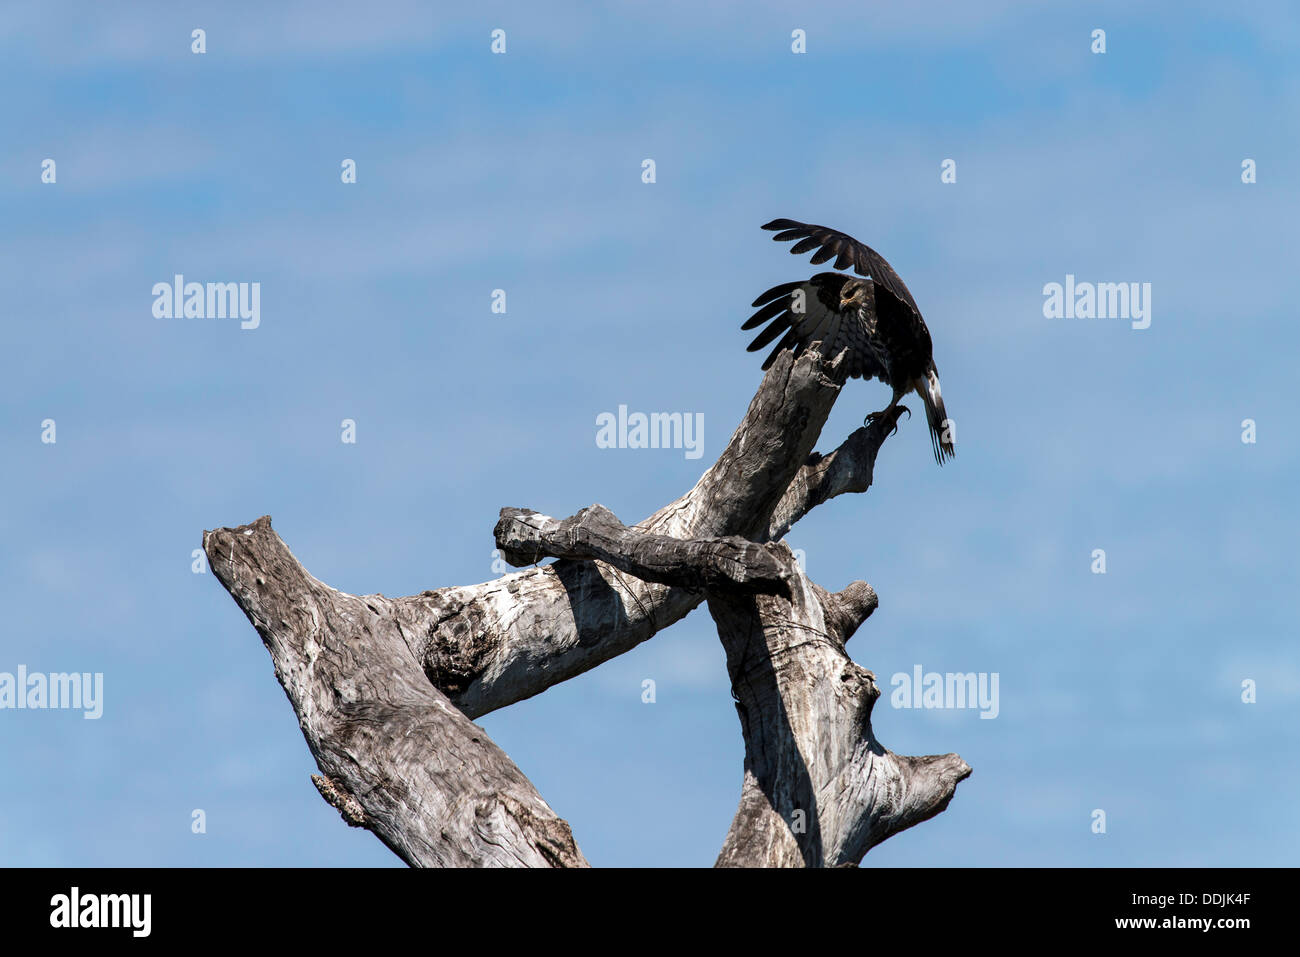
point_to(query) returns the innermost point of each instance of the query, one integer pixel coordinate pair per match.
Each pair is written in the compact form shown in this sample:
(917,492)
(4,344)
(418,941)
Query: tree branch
(395,756)
(723,564)
(819,788)
(492,644)
(384,689)
(850,468)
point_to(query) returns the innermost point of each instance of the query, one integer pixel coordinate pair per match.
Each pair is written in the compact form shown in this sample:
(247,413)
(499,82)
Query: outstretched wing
(847,252)
(808,312)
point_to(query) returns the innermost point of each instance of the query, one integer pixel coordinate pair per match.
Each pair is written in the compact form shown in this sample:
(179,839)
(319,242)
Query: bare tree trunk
(385,688)
(395,756)
(819,789)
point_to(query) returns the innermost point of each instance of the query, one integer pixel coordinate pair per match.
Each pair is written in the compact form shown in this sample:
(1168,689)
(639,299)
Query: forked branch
(384,688)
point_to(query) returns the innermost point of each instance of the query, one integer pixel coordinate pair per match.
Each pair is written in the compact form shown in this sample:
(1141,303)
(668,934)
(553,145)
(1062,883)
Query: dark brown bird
(875,318)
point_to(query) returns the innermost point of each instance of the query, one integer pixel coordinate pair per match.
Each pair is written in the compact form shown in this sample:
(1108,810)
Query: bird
(875,318)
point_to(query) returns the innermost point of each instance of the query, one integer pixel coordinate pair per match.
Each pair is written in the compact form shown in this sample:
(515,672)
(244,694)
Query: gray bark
(485,653)
(819,789)
(579,614)
(385,688)
(722,564)
(395,756)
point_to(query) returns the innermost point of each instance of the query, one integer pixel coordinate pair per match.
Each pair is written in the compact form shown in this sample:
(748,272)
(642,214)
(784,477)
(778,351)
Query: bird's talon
(893,411)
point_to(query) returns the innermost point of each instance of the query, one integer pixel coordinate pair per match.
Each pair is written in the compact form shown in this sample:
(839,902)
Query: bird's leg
(893,409)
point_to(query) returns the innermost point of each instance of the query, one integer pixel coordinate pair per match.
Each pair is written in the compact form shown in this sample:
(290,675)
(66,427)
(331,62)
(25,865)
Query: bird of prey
(875,318)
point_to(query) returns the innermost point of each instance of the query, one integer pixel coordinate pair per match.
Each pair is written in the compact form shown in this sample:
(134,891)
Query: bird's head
(853,295)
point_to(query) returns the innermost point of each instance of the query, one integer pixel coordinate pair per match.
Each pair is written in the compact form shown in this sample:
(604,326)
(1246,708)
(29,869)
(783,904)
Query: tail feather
(941,429)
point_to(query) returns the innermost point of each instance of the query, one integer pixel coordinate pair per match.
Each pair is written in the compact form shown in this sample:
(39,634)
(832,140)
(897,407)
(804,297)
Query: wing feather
(773,308)
(864,260)
(770,333)
(791,339)
(830,335)
(777,291)
(816,322)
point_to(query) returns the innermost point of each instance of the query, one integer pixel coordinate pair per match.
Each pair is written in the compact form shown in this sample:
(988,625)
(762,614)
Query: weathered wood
(849,468)
(731,563)
(395,756)
(384,688)
(492,644)
(819,789)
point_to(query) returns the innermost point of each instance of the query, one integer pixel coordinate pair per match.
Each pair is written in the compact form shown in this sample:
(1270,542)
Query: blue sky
(522,171)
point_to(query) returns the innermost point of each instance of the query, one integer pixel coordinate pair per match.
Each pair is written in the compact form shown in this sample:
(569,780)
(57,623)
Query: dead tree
(385,689)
